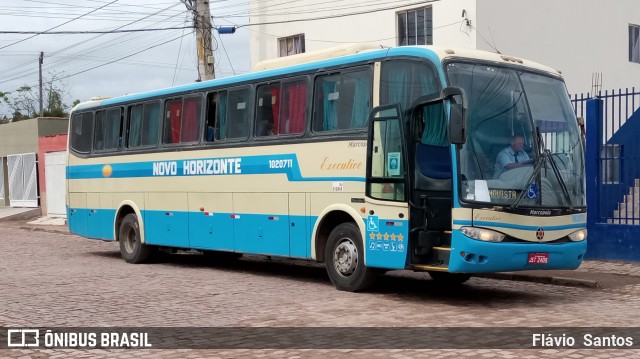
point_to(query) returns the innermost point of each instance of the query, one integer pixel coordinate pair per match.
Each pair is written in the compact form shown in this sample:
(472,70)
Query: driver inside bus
(512,156)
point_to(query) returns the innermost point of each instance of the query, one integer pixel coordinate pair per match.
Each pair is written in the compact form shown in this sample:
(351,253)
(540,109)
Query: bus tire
(449,278)
(344,259)
(132,249)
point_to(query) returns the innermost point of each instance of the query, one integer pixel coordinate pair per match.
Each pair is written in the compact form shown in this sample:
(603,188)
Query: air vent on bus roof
(348,49)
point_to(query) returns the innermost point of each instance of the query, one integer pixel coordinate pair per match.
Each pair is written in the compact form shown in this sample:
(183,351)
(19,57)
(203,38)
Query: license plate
(538,258)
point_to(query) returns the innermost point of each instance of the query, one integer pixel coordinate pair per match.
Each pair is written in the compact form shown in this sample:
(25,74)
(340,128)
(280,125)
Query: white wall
(578,37)
(375,27)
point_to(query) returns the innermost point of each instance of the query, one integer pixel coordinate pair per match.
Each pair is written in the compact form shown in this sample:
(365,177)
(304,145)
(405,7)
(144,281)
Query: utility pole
(202,24)
(40,68)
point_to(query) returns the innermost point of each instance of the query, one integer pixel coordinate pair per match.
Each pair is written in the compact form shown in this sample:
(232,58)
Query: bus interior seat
(434,167)
(433,184)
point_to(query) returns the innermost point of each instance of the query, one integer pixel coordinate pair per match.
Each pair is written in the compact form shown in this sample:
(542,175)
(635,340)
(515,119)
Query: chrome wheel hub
(345,257)
(130,240)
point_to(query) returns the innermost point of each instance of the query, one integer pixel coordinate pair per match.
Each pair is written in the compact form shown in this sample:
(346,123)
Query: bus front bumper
(474,256)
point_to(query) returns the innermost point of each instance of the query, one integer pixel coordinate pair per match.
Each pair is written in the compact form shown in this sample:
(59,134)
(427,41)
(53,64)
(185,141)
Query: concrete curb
(565,281)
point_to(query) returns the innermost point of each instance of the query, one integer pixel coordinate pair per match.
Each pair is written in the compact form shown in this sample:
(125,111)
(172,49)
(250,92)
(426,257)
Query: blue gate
(613,172)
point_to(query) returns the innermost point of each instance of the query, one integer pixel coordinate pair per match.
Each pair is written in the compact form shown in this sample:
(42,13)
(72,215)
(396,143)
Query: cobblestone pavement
(58,280)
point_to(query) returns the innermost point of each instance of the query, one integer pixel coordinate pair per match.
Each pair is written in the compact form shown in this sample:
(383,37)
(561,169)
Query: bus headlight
(482,234)
(578,236)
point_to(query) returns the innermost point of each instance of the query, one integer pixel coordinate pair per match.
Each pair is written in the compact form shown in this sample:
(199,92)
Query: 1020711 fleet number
(281,163)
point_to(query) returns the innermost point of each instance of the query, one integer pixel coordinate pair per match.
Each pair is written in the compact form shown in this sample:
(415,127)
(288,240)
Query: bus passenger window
(191,119)
(267,110)
(135,126)
(81,132)
(220,116)
(210,117)
(343,101)
(238,114)
(151,124)
(403,81)
(98,140)
(294,106)
(172,121)
(113,129)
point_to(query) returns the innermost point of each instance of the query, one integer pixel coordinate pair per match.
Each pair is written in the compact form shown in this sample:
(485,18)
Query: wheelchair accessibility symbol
(532,191)
(373,224)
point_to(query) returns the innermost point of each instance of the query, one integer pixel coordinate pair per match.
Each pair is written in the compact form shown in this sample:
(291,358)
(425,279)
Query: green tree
(24,103)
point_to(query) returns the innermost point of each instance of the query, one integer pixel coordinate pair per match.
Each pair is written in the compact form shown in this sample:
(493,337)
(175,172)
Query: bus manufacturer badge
(532,191)
(540,233)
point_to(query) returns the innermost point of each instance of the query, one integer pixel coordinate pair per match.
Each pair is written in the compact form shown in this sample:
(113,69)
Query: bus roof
(344,50)
(322,59)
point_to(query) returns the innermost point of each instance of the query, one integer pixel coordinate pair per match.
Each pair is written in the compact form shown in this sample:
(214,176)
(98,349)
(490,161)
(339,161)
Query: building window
(415,27)
(291,45)
(634,43)
(610,156)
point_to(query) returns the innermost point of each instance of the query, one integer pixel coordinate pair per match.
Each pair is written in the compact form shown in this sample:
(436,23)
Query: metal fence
(617,188)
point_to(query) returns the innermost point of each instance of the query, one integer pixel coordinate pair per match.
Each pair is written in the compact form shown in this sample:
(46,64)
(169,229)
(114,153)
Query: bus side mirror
(457,124)
(458,114)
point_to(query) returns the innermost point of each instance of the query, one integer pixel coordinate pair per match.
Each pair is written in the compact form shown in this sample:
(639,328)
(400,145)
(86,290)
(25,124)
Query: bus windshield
(524,147)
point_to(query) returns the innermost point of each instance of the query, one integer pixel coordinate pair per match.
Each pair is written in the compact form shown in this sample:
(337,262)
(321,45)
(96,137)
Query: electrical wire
(55,27)
(94,31)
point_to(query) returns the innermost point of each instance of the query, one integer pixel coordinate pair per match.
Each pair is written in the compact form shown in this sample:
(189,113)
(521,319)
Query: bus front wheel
(132,249)
(344,259)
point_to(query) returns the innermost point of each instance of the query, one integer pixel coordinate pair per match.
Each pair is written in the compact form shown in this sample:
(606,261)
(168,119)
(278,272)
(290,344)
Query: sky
(114,64)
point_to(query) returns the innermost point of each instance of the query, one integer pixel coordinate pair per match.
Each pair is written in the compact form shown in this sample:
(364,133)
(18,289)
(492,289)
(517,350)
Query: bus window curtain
(361,100)
(403,88)
(435,126)
(398,83)
(191,120)
(275,107)
(293,121)
(175,112)
(135,126)
(151,124)
(99,131)
(330,104)
(112,135)
(221,116)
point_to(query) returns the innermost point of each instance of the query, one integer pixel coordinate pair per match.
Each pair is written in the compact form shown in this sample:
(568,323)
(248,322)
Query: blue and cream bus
(365,158)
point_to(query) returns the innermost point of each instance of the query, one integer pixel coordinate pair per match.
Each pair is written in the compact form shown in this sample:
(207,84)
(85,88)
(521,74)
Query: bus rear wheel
(449,278)
(344,259)
(132,249)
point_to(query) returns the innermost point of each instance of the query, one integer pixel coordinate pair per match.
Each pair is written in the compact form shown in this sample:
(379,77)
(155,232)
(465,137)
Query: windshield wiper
(544,155)
(563,185)
(539,160)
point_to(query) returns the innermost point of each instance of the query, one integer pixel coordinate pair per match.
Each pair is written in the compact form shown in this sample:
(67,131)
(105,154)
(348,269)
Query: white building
(579,37)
